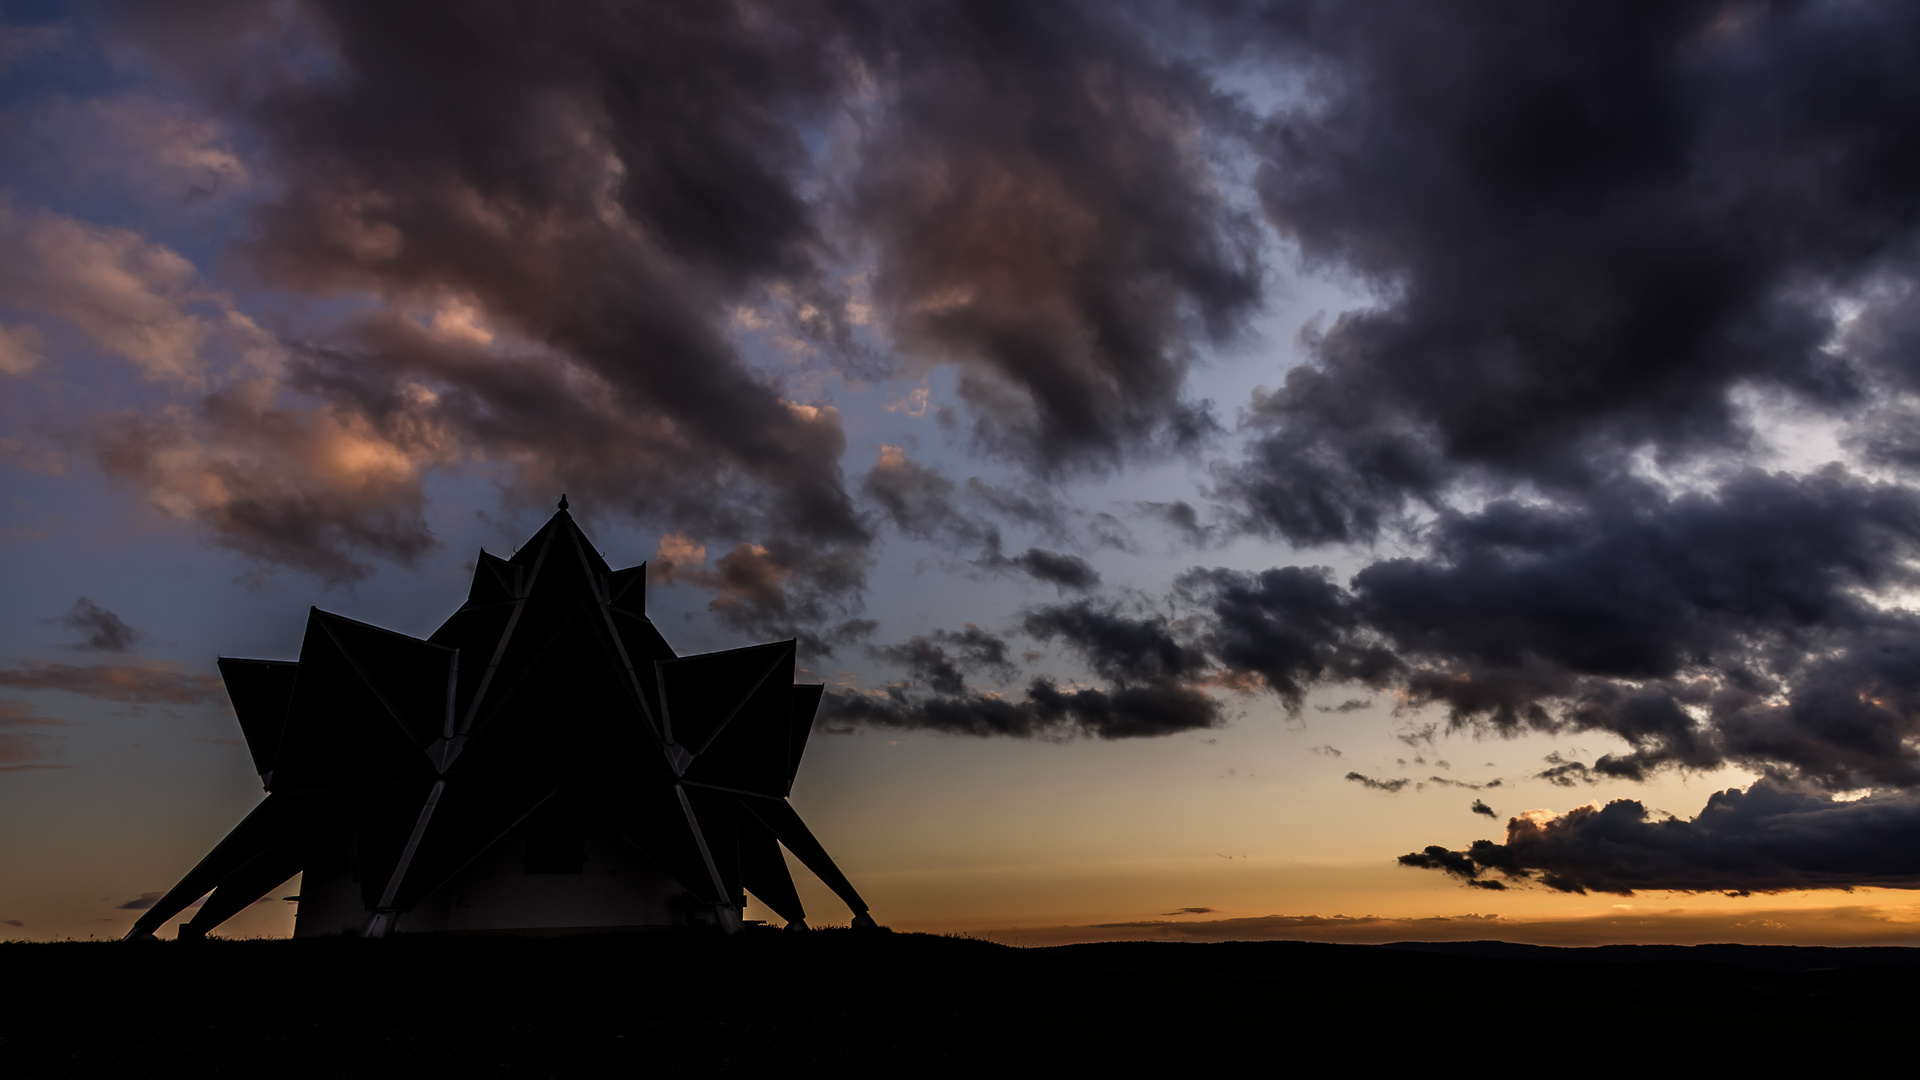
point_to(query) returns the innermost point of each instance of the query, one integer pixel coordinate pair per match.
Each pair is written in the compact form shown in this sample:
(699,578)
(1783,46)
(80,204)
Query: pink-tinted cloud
(133,298)
(315,489)
(22,349)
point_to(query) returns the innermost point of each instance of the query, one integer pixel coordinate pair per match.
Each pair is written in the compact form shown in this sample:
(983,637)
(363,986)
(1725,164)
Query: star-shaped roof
(550,679)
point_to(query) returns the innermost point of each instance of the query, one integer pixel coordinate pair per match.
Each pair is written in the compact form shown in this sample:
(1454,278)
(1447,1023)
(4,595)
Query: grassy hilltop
(909,1004)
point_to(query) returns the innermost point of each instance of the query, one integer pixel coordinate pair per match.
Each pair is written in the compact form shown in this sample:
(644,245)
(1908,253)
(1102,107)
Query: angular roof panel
(701,694)
(339,728)
(260,691)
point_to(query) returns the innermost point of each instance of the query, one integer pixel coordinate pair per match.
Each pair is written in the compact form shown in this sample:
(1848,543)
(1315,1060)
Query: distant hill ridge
(1755,957)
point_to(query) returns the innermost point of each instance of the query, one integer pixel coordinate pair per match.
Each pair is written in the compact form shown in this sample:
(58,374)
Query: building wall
(512,887)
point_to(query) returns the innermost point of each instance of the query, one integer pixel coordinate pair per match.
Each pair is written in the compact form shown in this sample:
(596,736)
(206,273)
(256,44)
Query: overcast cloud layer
(627,250)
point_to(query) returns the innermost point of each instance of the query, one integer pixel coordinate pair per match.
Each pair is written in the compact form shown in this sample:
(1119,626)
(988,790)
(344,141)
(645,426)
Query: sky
(1265,469)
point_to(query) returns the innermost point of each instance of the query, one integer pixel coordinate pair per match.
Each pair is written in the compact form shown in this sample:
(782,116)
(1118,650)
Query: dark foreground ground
(879,1004)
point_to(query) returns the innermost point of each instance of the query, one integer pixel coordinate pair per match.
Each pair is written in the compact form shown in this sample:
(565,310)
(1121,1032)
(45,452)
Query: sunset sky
(1289,469)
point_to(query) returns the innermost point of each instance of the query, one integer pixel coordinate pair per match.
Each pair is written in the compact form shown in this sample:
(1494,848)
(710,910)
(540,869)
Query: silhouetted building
(544,761)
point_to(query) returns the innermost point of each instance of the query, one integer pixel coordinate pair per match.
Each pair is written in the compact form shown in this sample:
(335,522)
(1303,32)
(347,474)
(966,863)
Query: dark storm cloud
(283,500)
(1565,772)
(1637,584)
(1452,862)
(608,183)
(1588,224)
(1154,681)
(1546,173)
(1038,190)
(1291,626)
(1591,232)
(98,629)
(1118,645)
(571,215)
(1183,518)
(923,503)
(1728,626)
(527,408)
(1030,504)
(928,660)
(1675,623)
(1143,709)
(1042,710)
(791,589)
(1766,839)
(1065,572)
(920,501)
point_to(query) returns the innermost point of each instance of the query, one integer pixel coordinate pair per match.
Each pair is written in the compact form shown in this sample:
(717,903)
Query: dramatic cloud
(1702,629)
(1118,645)
(919,501)
(556,215)
(925,505)
(317,490)
(1156,684)
(1183,519)
(927,660)
(1037,184)
(1453,862)
(781,588)
(565,219)
(1588,225)
(1068,573)
(99,629)
(137,300)
(1766,839)
(1289,626)
(1597,237)
(280,481)
(1736,626)
(1042,710)
(1603,256)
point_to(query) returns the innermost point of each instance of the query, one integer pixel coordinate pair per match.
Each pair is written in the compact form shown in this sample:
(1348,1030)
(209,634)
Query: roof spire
(563,500)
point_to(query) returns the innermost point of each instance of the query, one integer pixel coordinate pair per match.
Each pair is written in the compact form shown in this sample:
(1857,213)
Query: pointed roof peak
(563,500)
(563,528)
